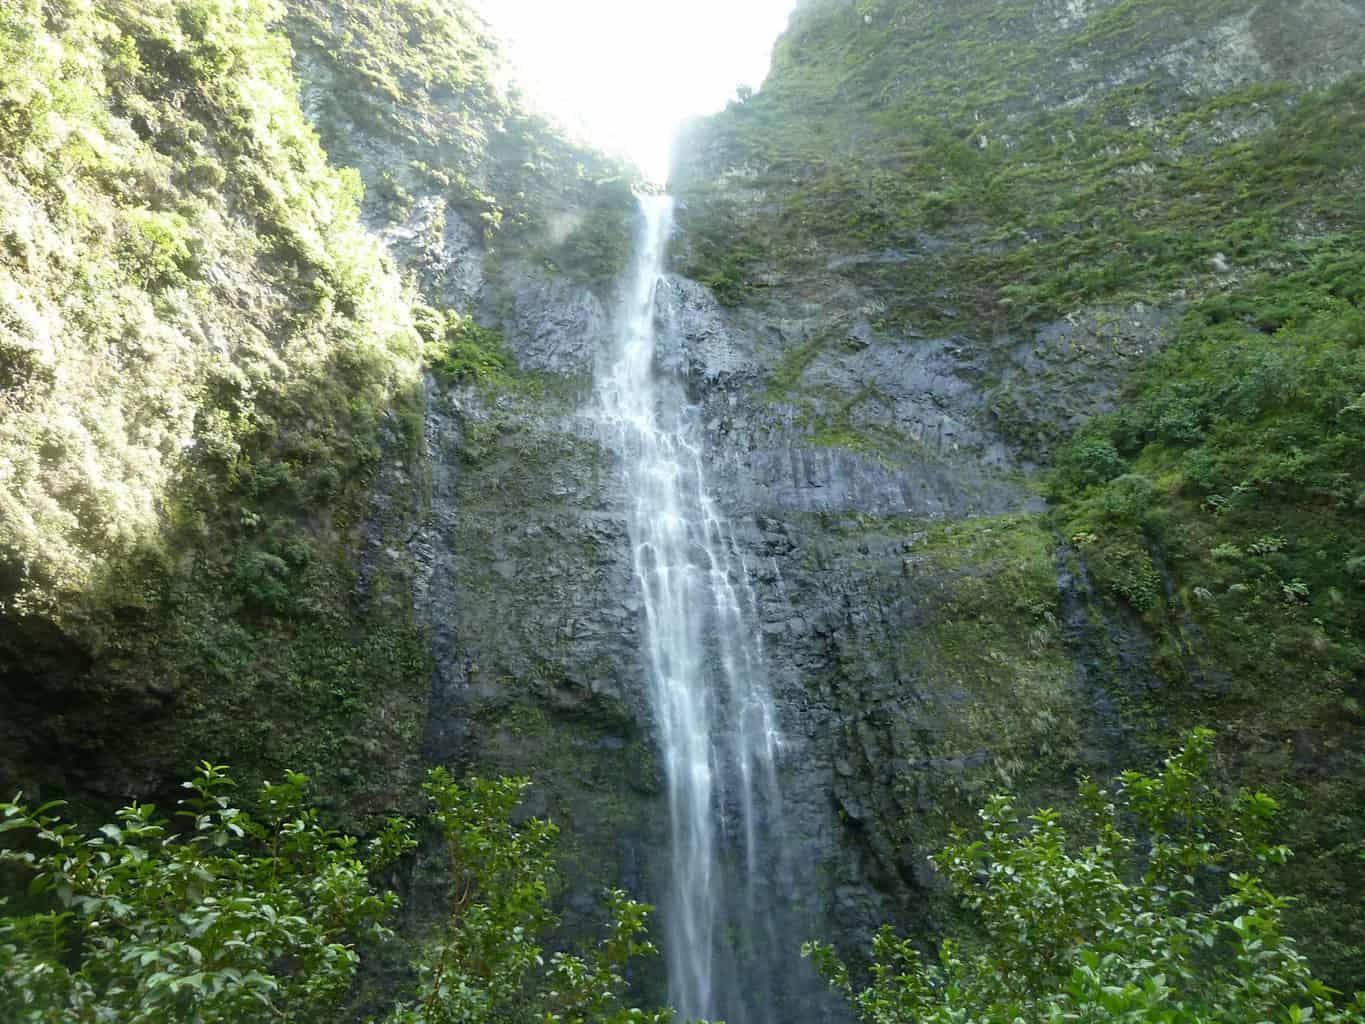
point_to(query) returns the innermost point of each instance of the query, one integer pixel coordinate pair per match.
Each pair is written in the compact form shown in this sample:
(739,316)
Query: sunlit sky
(625,73)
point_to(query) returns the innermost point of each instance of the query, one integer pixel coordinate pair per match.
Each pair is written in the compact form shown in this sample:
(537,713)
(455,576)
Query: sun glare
(625,73)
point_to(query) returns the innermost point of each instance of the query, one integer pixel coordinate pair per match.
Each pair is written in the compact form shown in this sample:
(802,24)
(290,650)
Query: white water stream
(704,662)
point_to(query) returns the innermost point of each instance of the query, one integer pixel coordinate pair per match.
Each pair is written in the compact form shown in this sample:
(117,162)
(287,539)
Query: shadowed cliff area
(212,372)
(207,364)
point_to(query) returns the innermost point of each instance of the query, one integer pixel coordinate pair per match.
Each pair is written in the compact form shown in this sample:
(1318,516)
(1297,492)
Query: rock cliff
(960,255)
(1026,335)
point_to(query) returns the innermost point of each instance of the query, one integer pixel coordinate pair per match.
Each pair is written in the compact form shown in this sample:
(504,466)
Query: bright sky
(626,72)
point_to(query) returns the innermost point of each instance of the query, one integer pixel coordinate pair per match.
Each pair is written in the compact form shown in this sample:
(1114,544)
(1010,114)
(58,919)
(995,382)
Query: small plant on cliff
(1159,916)
(231,917)
(461,351)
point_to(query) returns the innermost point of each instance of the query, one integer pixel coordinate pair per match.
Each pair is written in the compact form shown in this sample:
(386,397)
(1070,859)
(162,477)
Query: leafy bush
(264,580)
(599,248)
(233,918)
(237,917)
(1157,913)
(1127,497)
(460,350)
(488,963)
(146,153)
(1125,568)
(156,250)
(1089,460)
(1245,426)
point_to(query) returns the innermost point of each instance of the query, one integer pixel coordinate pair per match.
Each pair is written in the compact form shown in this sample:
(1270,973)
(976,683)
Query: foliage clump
(1237,459)
(227,916)
(1224,504)
(155,332)
(1153,910)
(460,350)
(1002,163)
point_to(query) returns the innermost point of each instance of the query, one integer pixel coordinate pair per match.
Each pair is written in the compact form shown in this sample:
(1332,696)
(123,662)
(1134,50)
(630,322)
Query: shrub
(1127,497)
(236,917)
(156,249)
(263,579)
(1088,460)
(1156,915)
(228,918)
(462,351)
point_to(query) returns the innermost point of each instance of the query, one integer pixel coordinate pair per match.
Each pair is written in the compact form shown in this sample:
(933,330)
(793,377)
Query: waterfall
(707,682)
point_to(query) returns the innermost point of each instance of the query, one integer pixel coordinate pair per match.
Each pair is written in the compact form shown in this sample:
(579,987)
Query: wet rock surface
(535,615)
(890,731)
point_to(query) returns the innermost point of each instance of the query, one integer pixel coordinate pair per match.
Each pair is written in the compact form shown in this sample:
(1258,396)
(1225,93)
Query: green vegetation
(205,367)
(461,351)
(1154,910)
(989,623)
(1223,505)
(983,169)
(994,127)
(967,681)
(421,80)
(123,351)
(210,407)
(234,916)
(598,246)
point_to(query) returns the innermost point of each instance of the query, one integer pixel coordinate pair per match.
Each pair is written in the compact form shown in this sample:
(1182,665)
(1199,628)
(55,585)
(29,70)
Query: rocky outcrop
(522,568)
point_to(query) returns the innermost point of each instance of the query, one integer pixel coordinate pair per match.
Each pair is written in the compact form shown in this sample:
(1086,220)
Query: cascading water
(704,662)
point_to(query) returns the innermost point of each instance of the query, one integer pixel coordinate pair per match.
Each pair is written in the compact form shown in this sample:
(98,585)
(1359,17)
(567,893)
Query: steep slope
(1026,335)
(206,364)
(294,471)
(940,240)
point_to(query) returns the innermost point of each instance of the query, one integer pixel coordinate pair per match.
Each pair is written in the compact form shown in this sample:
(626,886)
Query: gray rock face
(522,570)
(930,639)
(918,393)
(1070,370)
(445,251)
(891,732)
(534,614)
(552,323)
(524,578)
(529,594)
(696,344)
